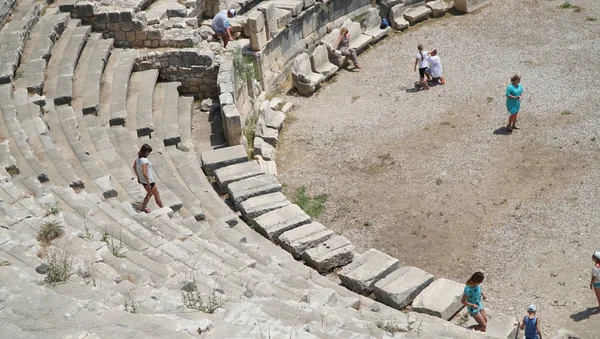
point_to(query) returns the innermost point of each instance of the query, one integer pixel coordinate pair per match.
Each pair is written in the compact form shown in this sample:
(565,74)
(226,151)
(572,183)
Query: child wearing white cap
(531,324)
(595,282)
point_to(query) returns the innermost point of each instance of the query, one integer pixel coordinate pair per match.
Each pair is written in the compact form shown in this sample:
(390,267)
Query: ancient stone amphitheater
(82,85)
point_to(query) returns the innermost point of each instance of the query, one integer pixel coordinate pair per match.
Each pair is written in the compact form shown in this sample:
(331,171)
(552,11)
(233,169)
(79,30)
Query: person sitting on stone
(435,67)
(220,24)
(343,45)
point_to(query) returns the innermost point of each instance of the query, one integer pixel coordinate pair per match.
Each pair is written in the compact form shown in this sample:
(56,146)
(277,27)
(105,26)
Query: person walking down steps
(531,324)
(472,296)
(343,45)
(142,167)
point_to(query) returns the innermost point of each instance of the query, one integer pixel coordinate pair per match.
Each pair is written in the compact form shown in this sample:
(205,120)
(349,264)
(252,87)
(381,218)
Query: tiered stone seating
(139,101)
(320,62)
(12,39)
(303,78)
(61,67)
(166,112)
(161,9)
(358,40)
(114,88)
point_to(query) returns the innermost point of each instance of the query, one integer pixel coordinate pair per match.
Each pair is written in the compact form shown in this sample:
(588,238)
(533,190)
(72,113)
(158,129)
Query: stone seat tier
(125,142)
(86,92)
(372,26)
(320,62)
(38,50)
(12,130)
(162,9)
(139,101)
(47,151)
(61,67)
(215,159)
(166,112)
(114,87)
(236,172)
(303,78)
(366,270)
(251,187)
(358,40)
(184,120)
(12,39)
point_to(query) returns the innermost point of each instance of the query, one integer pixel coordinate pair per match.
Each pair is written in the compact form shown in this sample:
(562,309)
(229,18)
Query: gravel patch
(422,177)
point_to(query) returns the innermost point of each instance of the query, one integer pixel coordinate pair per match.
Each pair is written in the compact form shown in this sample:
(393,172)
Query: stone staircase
(73,115)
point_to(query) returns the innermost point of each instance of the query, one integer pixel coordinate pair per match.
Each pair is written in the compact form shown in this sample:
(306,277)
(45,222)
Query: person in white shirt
(142,167)
(435,67)
(595,282)
(221,25)
(421,61)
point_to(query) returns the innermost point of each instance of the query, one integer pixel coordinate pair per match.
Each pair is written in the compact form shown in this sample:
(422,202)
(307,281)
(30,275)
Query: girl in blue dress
(472,297)
(514,93)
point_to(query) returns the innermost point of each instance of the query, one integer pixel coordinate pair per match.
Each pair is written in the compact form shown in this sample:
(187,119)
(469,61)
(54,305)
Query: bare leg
(514,116)
(154,191)
(597,291)
(225,40)
(146,199)
(424,83)
(480,318)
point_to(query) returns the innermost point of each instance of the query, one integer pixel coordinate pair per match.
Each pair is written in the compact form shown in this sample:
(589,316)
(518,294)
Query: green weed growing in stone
(117,249)
(249,132)
(54,210)
(60,265)
(565,113)
(183,148)
(589,18)
(194,300)
(313,206)
(243,66)
(130,303)
(12,170)
(565,5)
(49,231)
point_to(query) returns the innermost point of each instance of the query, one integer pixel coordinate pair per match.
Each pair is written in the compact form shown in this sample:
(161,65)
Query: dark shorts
(422,72)
(151,185)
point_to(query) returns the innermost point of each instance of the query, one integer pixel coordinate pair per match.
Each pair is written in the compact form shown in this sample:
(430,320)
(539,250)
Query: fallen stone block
(269,135)
(215,159)
(397,20)
(287,107)
(284,18)
(498,325)
(440,299)
(438,8)
(273,223)
(401,287)
(251,187)
(293,6)
(273,119)
(468,6)
(415,15)
(333,252)
(298,240)
(256,31)
(372,25)
(366,270)
(236,172)
(267,151)
(257,206)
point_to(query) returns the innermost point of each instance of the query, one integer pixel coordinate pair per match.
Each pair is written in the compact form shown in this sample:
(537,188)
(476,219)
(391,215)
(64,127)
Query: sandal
(147,210)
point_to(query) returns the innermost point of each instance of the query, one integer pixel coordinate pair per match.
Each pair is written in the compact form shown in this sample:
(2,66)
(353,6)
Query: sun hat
(597,255)
(233,12)
(531,308)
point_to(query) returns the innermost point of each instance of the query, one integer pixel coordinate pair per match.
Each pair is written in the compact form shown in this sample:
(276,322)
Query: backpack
(384,24)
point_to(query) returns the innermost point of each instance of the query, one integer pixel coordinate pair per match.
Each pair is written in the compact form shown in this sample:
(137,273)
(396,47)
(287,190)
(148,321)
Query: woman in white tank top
(142,167)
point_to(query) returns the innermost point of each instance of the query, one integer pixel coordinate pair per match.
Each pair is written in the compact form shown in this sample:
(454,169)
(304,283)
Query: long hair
(476,278)
(343,31)
(144,151)
(420,48)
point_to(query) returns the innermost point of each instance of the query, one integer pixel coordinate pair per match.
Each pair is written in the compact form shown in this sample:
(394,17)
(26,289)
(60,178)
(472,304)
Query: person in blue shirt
(531,324)
(514,94)
(472,296)
(221,25)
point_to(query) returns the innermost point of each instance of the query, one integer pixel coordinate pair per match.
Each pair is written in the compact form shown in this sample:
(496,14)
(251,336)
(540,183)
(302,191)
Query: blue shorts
(597,285)
(473,312)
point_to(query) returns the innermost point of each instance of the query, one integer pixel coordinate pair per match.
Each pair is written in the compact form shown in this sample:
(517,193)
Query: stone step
(124,142)
(334,252)
(86,92)
(215,159)
(272,224)
(442,298)
(114,87)
(163,9)
(498,325)
(303,238)
(165,108)
(139,101)
(12,39)
(366,270)
(232,173)
(402,286)
(38,50)
(251,187)
(184,119)
(257,206)
(61,67)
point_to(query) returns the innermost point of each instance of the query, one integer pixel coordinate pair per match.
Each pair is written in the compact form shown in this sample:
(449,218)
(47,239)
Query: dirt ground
(422,175)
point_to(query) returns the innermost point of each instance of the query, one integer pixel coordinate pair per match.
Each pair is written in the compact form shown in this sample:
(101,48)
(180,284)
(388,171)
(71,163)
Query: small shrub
(183,148)
(313,206)
(565,113)
(13,170)
(243,65)
(18,75)
(490,100)
(89,272)
(194,300)
(367,223)
(118,250)
(54,210)
(565,5)
(60,264)
(131,304)
(589,18)
(49,231)
(249,131)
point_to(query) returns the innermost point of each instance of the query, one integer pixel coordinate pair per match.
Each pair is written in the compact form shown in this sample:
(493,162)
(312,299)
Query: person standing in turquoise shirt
(514,93)
(472,296)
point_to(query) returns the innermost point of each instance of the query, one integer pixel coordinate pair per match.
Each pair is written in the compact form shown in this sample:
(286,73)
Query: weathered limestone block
(366,270)
(257,206)
(236,172)
(256,30)
(215,159)
(232,124)
(440,299)
(333,252)
(372,23)
(252,187)
(298,240)
(284,18)
(268,9)
(266,151)
(397,20)
(303,78)
(273,119)
(274,223)
(269,135)
(308,3)
(415,15)
(438,8)
(294,6)
(498,325)
(385,6)
(400,287)
(320,62)
(269,166)
(468,6)
(413,3)
(358,40)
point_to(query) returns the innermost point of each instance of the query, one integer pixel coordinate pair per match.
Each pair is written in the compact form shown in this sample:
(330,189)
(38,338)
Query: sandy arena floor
(423,177)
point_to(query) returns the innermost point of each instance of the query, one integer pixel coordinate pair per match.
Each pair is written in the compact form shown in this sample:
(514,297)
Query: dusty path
(421,176)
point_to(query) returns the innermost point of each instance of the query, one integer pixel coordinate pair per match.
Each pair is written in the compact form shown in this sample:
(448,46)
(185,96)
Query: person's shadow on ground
(582,315)
(502,131)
